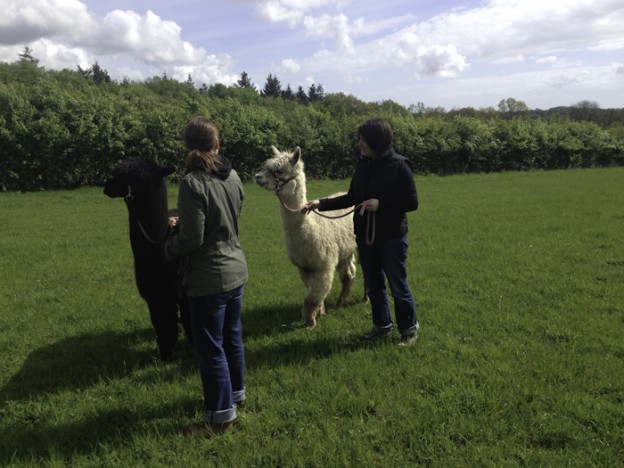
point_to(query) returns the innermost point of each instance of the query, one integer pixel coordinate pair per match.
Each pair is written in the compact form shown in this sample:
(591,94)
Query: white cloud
(64,34)
(58,56)
(446,45)
(539,89)
(292,11)
(511,59)
(336,27)
(551,59)
(149,37)
(403,49)
(345,45)
(515,26)
(290,66)
(25,21)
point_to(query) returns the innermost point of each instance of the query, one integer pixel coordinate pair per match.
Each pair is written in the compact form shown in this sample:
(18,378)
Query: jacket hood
(223,167)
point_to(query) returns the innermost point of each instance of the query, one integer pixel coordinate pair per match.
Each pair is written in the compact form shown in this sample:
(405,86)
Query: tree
(100,75)
(96,73)
(301,96)
(316,93)
(584,110)
(27,56)
(418,108)
(245,82)
(512,106)
(272,87)
(288,93)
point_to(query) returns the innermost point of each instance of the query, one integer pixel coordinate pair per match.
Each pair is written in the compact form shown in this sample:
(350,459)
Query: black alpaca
(141,183)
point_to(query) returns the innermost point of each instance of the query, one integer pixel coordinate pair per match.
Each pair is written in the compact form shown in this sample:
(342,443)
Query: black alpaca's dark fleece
(141,182)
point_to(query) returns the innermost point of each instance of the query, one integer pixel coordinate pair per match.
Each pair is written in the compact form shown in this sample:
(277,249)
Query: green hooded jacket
(209,206)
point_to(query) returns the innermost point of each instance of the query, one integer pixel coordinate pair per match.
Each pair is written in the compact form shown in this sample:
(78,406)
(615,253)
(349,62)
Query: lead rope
(129,198)
(371,220)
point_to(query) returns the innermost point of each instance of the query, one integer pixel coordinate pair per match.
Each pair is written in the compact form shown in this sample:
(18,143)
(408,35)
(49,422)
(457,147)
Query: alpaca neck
(148,213)
(293,197)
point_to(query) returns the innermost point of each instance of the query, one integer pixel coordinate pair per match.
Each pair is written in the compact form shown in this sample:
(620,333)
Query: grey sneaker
(377,333)
(408,340)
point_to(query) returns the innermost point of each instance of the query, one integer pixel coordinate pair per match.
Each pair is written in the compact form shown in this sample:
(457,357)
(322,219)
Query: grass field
(519,279)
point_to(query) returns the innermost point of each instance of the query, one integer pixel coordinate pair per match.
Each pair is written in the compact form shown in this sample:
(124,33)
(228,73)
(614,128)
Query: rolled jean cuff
(409,331)
(384,329)
(239,395)
(220,417)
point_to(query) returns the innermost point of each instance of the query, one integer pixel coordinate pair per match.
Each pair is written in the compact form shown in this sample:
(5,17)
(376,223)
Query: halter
(278,185)
(129,198)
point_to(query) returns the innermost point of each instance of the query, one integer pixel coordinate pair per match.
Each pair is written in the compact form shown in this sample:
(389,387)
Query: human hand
(369,205)
(310,206)
(173,221)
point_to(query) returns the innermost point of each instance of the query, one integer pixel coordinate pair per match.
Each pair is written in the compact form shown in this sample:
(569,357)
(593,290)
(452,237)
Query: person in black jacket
(383,191)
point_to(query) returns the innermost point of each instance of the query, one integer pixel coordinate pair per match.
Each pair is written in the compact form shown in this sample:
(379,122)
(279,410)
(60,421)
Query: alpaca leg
(185,317)
(347,270)
(318,284)
(164,317)
(308,313)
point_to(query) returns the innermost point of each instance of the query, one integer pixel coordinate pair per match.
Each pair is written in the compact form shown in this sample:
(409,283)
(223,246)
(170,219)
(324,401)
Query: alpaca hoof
(311,325)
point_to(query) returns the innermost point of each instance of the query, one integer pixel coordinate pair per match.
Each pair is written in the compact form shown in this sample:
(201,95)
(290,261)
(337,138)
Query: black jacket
(388,178)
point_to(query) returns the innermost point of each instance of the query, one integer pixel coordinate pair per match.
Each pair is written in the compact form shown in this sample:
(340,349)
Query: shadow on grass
(283,318)
(270,321)
(282,338)
(81,361)
(116,427)
(77,363)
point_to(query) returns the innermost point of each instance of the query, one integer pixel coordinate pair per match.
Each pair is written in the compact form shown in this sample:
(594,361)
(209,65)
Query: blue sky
(444,54)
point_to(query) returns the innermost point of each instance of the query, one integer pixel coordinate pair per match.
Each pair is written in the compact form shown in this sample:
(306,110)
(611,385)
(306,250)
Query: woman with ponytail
(210,199)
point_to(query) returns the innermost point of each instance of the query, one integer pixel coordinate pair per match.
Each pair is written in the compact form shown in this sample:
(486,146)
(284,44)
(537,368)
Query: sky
(545,53)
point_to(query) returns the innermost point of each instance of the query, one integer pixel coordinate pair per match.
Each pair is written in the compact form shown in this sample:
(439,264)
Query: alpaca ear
(276,152)
(295,157)
(165,171)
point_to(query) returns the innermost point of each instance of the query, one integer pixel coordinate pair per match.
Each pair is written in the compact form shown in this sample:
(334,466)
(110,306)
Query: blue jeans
(387,259)
(218,340)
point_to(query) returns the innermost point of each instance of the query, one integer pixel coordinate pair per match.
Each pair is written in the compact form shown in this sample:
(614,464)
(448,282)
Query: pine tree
(288,93)
(301,96)
(96,73)
(27,56)
(316,93)
(100,75)
(245,82)
(272,87)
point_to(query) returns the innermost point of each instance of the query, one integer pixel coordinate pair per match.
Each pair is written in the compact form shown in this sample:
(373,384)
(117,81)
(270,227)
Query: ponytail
(202,140)
(200,160)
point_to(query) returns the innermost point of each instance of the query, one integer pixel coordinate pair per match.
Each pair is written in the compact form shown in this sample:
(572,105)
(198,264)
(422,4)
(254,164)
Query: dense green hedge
(60,130)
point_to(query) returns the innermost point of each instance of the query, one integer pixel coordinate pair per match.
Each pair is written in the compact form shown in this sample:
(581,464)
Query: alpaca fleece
(140,181)
(317,246)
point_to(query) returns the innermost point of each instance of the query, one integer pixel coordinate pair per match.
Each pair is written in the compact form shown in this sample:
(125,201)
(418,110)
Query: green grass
(519,279)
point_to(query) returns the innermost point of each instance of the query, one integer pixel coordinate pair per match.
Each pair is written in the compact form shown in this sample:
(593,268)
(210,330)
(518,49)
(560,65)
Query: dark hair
(201,137)
(377,134)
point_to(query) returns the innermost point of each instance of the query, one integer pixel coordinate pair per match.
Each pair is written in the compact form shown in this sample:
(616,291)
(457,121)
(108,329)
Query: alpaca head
(279,171)
(135,176)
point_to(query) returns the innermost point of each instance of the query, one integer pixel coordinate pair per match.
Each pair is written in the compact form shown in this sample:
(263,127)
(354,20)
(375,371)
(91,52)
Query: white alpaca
(315,245)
